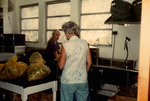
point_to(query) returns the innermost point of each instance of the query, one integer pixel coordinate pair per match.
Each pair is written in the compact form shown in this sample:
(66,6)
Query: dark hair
(70,28)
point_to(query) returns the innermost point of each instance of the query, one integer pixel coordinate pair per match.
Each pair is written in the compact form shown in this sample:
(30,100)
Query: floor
(92,97)
(5,96)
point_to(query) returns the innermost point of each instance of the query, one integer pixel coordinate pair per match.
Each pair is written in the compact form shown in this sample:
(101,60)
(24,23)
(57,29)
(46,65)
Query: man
(75,60)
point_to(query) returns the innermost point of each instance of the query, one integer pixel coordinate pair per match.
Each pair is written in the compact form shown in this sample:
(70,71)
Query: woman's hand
(59,51)
(56,55)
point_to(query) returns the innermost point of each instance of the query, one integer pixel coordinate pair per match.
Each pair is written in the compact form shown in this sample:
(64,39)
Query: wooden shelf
(111,21)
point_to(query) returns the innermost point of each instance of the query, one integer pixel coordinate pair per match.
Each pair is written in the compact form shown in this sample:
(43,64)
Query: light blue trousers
(80,90)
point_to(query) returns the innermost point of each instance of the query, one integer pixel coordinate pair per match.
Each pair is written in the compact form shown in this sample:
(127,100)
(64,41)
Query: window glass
(97,37)
(95,21)
(29,24)
(29,12)
(57,22)
(58,9)
(95,6)
(31,36)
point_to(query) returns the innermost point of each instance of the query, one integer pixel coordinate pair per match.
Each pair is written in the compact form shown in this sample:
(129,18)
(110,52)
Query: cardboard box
(15,97)
(41,96)
(121,98)
(113,98)
(125,98)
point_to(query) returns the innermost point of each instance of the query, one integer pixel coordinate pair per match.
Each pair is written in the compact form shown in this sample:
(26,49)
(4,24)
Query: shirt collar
(73,38)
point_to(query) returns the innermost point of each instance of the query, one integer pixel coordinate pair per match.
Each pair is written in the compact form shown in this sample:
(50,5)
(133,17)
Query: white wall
(132,31)
(7,17)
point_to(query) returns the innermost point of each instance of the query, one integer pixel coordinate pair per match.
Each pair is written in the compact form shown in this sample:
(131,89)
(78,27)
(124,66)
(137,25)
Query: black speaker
(14,39)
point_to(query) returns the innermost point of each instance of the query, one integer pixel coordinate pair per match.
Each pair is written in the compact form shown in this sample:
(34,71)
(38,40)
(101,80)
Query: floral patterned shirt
(74,70)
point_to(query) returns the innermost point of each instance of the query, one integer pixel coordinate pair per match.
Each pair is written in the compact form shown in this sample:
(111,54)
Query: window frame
(57,16)
(84,29)
(25,6)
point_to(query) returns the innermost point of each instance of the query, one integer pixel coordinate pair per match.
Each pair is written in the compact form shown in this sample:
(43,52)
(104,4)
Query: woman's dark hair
(70,28)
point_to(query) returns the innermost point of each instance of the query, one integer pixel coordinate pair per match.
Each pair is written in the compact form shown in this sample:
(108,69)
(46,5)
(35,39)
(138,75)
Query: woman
(52,47)
(75,60)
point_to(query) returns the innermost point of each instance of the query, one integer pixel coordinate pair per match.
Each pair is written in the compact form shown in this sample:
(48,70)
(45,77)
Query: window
(57,15)
(29,22)
(93,15)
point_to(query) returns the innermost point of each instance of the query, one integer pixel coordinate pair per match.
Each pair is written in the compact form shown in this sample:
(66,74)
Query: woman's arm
(88,60)
(61,58)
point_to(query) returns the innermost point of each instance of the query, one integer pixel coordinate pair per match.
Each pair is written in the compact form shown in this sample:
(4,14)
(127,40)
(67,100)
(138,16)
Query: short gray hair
(70,28)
